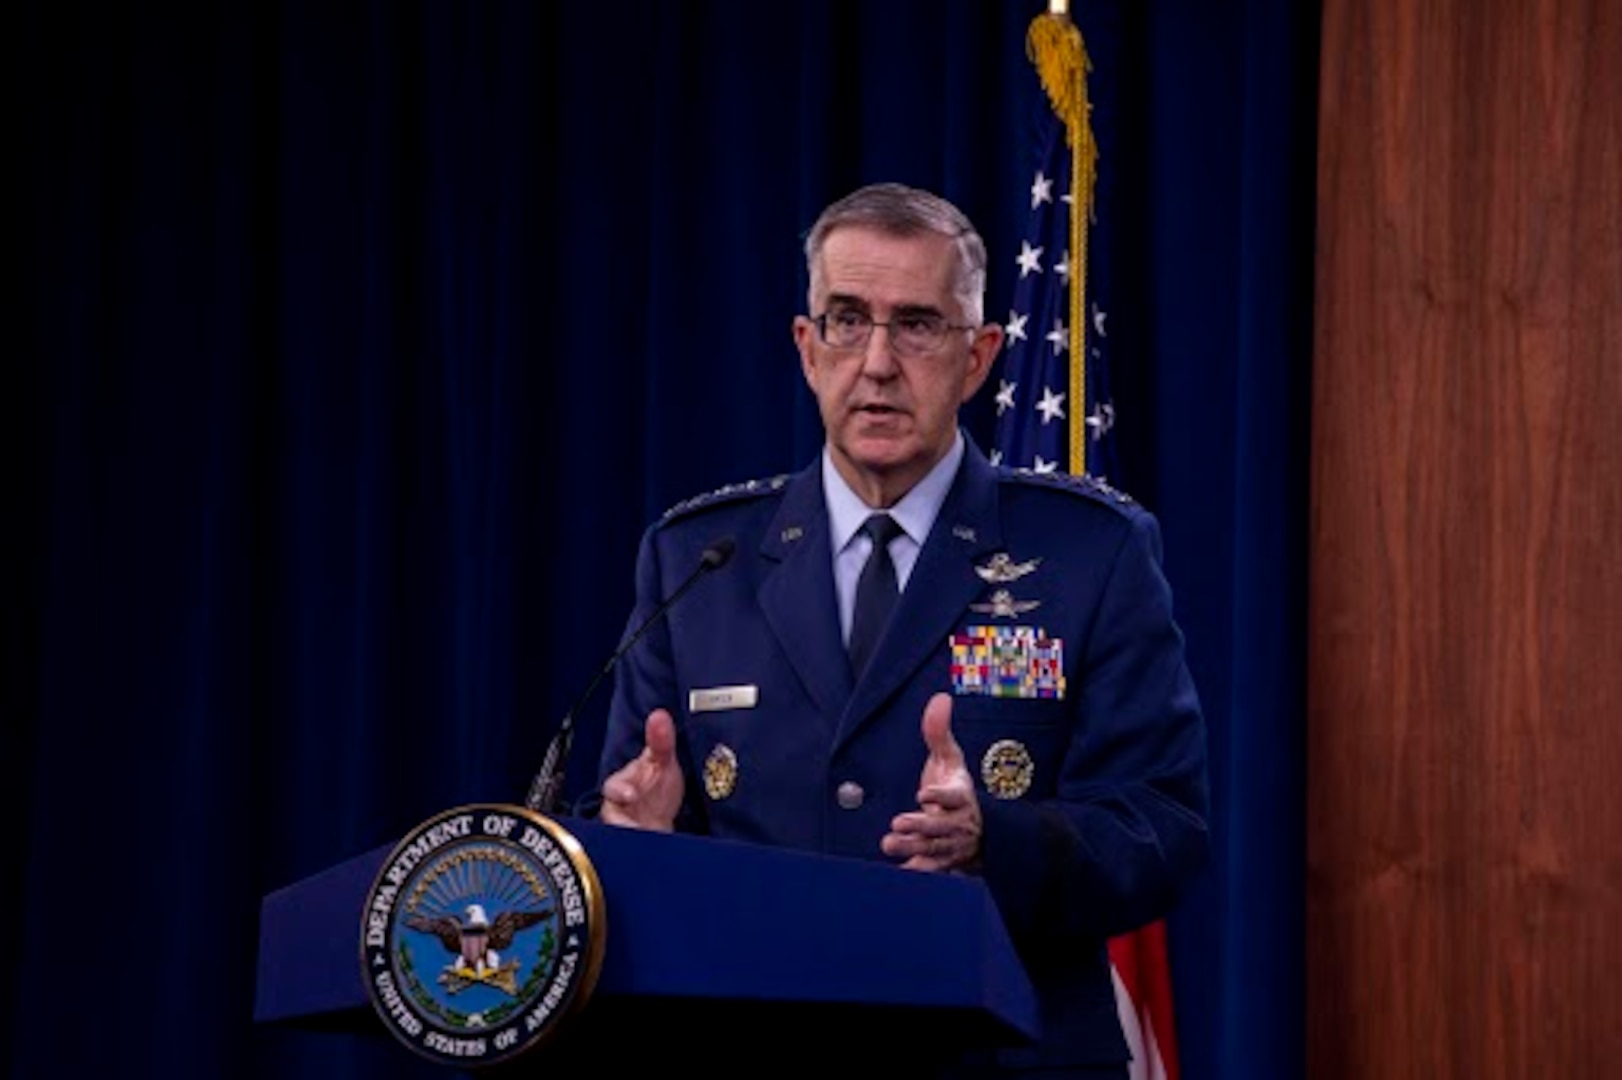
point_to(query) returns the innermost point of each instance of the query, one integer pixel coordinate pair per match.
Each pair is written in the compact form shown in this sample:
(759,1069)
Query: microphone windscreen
(716,555)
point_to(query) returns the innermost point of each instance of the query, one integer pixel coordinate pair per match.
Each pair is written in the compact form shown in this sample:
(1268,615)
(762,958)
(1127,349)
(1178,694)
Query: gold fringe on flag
(1054,46)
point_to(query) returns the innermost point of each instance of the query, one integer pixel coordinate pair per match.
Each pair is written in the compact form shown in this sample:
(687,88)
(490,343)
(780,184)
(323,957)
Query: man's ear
(982,353)
(805,336)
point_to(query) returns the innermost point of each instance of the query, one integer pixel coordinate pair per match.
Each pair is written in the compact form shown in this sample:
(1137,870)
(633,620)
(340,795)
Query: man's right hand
(646,793)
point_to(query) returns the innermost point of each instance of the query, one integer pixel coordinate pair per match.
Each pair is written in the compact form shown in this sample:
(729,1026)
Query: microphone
(548,782)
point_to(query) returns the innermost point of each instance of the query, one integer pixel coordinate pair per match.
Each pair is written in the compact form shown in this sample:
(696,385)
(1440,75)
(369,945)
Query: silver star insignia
(1002,569)
(1004,606)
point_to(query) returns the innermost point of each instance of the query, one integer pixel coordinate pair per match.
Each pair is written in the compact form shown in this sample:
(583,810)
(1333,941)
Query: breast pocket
(1014,747)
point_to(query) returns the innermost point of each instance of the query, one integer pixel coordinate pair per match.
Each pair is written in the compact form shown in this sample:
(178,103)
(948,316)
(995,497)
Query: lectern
(716,952)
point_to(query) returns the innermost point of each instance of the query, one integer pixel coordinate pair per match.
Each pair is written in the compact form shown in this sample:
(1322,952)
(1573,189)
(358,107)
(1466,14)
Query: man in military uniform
(919,657)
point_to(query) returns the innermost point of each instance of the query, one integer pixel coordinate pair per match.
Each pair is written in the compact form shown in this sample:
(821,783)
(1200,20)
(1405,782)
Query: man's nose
(878,359)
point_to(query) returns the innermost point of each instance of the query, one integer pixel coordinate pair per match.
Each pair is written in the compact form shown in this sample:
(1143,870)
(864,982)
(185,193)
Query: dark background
(353,346)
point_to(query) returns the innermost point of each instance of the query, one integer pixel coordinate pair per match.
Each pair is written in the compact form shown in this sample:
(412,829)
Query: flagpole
(1027,436)
(1054,46)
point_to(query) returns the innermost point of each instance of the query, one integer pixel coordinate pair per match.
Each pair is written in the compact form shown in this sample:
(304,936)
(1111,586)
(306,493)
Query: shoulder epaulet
(727,493)
(1080,485)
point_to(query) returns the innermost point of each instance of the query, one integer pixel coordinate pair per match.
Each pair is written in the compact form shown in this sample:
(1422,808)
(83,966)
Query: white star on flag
(1051,406)
(1059,336)
(1030,259)
(1044,466)
(1062,268)
(1016,327)
(1041,190)
(1101,421)
(1005,396)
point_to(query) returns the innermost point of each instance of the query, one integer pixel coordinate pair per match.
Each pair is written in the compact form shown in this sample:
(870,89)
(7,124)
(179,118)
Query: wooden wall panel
(1464,858)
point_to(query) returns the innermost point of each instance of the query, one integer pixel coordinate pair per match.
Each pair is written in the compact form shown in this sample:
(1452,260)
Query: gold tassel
(1055,48)
(1054,45)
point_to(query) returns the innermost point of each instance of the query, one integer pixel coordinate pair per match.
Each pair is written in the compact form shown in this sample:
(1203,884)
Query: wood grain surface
(1464,893)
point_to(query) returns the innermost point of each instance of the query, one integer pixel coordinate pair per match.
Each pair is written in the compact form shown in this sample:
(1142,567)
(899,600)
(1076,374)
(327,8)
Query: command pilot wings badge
(1003,569)
(1002,605)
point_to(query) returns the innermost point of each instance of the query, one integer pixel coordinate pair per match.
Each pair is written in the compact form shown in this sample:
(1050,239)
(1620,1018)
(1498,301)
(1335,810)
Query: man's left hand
(944,833)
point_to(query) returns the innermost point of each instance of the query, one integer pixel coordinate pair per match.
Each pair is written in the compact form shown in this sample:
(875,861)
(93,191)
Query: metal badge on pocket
(720,772)
(1007,769)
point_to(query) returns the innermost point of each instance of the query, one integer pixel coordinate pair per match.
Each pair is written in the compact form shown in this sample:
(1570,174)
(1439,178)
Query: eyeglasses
(917,334)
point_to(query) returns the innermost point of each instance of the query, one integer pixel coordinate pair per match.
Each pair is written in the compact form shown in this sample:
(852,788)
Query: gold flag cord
(1054,46)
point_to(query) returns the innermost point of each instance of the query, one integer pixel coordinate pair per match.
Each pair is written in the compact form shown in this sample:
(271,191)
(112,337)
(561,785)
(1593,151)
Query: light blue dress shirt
(915,513)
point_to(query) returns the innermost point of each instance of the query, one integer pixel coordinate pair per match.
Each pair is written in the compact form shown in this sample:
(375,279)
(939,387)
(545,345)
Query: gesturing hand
(646,792)
(944,833)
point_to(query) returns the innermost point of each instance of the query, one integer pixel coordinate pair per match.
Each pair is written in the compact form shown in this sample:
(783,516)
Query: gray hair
(905,211)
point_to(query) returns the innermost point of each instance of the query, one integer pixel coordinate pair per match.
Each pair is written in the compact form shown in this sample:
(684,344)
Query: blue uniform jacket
(1094,795)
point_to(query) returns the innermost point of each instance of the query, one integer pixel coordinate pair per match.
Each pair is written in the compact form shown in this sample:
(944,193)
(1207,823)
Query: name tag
(722,698)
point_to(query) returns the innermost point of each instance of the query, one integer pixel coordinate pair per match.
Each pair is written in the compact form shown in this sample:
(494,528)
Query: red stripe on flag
(1143,970)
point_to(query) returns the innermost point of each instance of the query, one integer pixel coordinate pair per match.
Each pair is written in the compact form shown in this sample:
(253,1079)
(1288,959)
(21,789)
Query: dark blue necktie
(876,592)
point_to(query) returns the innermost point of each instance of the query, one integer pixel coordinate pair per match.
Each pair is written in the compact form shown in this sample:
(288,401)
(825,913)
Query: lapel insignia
(1007,662)
(792,533)
(720,772)
(1002,605)
(1002,569)
(965,532)
(1007,769)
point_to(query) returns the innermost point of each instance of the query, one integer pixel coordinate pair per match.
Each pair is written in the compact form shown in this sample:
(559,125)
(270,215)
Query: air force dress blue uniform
(1039,603)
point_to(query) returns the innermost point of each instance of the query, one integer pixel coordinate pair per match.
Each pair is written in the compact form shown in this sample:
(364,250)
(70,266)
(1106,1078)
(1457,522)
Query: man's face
(890,418)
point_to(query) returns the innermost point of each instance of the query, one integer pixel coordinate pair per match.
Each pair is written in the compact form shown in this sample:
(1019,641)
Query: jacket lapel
(798,598)
(942,585)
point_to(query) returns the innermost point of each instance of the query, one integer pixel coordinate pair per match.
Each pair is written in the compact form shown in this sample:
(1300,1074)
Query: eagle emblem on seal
(475,945)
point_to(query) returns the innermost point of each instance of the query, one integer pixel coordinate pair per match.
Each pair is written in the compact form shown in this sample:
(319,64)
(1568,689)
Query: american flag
(1056,415)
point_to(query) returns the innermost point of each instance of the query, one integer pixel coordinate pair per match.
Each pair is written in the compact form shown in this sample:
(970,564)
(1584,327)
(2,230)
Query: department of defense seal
(482,933)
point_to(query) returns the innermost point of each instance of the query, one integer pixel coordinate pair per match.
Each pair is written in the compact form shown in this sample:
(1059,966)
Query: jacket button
(850,795)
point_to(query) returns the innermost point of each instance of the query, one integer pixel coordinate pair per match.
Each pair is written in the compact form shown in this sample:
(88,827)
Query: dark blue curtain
(354,345)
